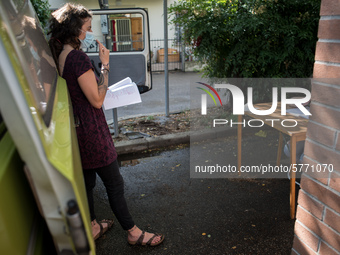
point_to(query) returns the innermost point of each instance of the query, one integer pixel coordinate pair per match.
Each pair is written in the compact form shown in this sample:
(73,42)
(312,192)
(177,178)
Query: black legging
(114,184)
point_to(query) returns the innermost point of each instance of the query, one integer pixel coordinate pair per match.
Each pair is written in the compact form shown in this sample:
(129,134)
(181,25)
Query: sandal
(148,243)
(102,229)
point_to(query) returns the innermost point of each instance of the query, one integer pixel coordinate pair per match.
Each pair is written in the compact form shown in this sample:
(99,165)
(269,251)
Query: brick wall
(317,226)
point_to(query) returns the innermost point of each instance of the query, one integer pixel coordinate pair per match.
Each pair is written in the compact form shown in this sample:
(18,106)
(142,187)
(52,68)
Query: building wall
(154,7)
(317,226)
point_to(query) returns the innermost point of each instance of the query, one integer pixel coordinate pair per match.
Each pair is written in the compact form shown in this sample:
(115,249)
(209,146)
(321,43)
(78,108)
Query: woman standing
(70,30)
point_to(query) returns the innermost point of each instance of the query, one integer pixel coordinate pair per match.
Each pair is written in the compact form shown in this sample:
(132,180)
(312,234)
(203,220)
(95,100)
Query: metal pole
(165,13)
(105,5)
(182,51)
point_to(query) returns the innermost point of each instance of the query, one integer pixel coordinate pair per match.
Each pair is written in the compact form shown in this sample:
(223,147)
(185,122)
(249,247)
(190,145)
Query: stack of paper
(124,92)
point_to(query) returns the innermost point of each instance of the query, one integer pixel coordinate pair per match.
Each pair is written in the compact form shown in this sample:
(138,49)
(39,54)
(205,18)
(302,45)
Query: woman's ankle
(134,231)
(95,228)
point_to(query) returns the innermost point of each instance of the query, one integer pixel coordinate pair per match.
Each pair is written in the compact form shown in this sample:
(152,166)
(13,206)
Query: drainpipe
(100,2)
(105,4)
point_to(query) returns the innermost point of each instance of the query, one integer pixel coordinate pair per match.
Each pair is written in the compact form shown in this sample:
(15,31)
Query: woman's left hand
(104,54)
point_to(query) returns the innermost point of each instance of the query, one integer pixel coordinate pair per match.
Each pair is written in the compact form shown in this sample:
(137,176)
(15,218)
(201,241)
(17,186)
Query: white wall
(154,7)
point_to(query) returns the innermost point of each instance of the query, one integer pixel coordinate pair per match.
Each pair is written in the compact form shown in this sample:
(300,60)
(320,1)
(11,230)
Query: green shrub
(251,38)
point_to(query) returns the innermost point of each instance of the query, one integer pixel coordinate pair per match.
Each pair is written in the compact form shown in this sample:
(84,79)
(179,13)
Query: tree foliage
(42,9)
(250,38)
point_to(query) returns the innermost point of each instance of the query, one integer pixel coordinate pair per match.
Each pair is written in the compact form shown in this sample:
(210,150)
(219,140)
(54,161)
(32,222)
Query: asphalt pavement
(197,215)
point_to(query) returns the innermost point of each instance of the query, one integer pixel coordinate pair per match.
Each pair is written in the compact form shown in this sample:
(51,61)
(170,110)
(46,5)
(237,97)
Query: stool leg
(292,176)
(239,145)
(279,149)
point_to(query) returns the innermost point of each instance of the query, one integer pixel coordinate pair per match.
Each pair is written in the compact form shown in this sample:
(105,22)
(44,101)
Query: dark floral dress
(94,138)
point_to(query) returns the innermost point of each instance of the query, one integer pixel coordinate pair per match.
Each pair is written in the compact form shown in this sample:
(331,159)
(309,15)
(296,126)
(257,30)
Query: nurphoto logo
(239,106)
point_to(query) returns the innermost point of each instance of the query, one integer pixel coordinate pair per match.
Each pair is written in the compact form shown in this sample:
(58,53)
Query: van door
(41,143)
(125,32)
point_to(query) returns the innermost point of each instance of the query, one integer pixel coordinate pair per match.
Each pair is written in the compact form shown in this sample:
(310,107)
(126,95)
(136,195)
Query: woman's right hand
(95,90)
(104,54)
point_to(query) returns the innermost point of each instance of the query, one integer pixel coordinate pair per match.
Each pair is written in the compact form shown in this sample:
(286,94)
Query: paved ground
(203,216)
(200,215)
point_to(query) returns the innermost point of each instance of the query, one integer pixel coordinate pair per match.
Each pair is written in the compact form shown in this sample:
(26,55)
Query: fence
(176,54)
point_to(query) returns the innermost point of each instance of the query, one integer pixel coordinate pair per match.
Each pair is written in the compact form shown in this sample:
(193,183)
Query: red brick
(326,71)
(324,115)
(338,142)
(326,250)
(322,147)
(328,95)
(322,155)
(294,252)
(329,29)
(334,181)
(319,228)
(310,204)
(328,135)
(329,7)
(306,236)
(324,195)
(332,219)
(328,82)
(328,52)
(301,247)
(321,177)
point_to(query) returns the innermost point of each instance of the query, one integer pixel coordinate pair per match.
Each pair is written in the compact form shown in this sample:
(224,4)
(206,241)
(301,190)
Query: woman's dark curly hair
(65,28)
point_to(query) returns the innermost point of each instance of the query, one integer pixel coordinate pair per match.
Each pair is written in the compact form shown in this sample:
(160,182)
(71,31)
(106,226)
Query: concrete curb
(139,145)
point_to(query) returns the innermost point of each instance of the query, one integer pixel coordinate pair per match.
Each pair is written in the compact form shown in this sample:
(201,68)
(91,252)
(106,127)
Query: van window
(40,62)
(124,32)
(40,68)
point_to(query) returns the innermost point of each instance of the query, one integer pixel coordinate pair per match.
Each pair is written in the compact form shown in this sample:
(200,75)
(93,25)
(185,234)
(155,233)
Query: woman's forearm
(103,82)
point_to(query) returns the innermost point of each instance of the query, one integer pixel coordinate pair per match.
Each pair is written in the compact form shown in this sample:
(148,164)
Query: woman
(70,31)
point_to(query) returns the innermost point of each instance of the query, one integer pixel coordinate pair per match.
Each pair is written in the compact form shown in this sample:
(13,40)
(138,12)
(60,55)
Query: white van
(43,205)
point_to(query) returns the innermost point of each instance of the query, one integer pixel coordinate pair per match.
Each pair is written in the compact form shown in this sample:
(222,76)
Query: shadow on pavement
(202,216)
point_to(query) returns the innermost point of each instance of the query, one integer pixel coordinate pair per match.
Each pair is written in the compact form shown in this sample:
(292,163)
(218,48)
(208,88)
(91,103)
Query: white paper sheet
(122,93)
